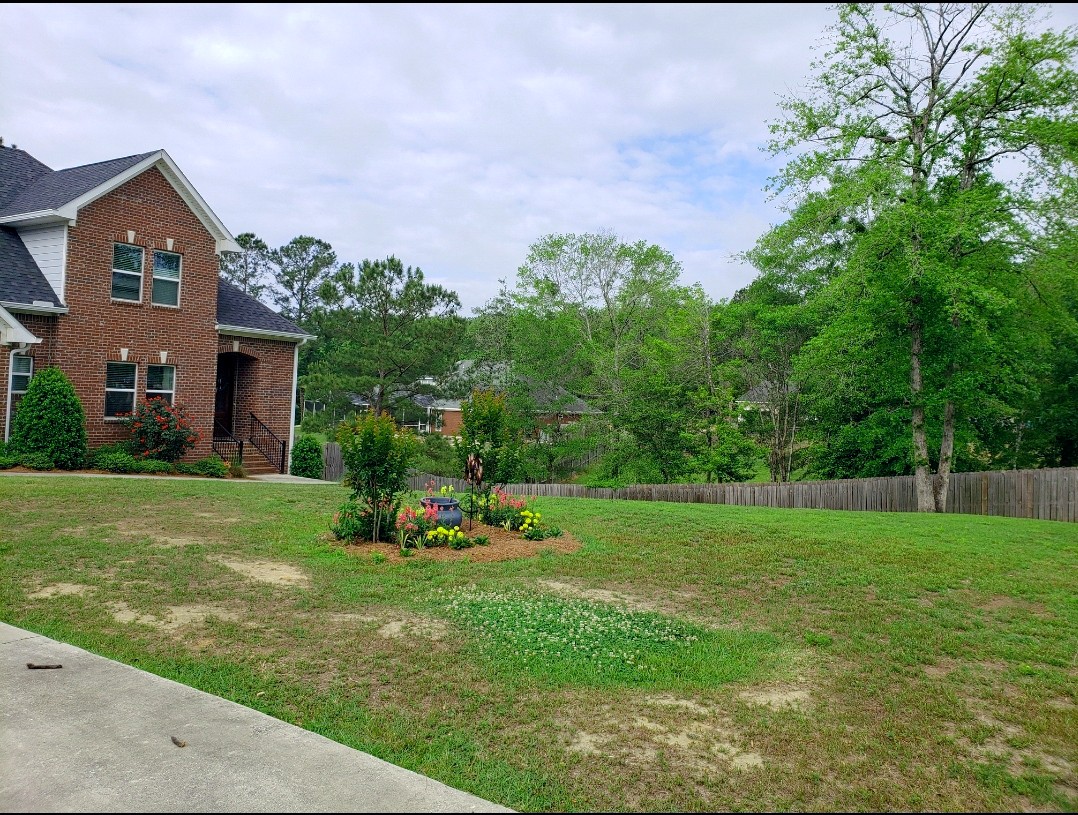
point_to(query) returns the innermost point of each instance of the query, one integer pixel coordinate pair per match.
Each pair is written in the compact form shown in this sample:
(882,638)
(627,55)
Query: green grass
(762,659)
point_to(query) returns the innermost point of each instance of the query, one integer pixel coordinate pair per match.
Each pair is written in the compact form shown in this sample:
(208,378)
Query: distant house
(110,272)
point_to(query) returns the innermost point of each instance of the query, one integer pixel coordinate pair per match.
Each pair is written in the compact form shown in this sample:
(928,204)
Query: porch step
(254,462)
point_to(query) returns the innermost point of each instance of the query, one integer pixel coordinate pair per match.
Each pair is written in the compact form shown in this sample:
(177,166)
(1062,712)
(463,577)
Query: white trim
(29,308)
(63,268)
(12,332)
(263,334)
(163,161)
(292,415)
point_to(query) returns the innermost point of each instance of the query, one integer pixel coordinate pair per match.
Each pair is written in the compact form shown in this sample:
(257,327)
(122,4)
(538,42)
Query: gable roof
(32,193)
(18,170)
(236,310)
(21,281)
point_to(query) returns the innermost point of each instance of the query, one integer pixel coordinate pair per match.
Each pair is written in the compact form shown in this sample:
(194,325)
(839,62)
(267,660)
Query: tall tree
(390,329)
(909,119)
(249,268)
(301,270)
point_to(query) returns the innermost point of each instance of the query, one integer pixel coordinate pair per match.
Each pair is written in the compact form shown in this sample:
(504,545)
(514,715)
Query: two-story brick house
(110,272)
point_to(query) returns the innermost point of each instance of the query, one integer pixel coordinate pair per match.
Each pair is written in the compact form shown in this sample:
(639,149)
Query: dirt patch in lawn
(778,698)
(134,530)
(504,545)
(174,617)
(267,571)
(423,627)
(60,590)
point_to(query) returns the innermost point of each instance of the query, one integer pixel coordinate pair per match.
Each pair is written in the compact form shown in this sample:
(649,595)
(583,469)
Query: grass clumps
(572,641)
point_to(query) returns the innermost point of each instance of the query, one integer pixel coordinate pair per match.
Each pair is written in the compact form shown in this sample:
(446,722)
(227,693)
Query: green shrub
(116,461)
(377,456)
(37,461)
(93,458)
(307,457)
(153,466)
(50,425)
(160,430)
(351,522)
(7,462)
(211,466)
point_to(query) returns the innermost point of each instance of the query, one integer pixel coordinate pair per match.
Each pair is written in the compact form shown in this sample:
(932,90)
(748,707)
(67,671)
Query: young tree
(302,269)
(248,269)
(387,329)
(49,427)
(908,121)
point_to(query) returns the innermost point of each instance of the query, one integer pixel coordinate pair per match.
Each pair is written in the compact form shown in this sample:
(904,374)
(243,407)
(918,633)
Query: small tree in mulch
(160,430)
(49,428)
(377,456)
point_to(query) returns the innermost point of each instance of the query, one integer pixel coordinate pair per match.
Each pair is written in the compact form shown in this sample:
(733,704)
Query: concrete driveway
(97,736)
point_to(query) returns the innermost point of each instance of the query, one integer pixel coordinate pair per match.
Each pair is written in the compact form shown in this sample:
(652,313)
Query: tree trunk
(946,454)
(922,475)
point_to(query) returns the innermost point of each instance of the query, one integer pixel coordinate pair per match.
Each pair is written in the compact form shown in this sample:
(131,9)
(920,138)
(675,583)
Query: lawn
(686,657)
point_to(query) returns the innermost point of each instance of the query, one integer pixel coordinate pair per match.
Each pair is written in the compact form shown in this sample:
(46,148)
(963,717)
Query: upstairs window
(119,389)
(126,272)
(166,279)
(161,382)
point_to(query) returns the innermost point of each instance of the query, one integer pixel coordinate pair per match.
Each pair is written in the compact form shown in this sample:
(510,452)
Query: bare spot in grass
(778,698)
(267,571)
(424,627)
(943,667)
(213,516)
(578,592)
(123,613)
(588,744)
(346,618)
(1061,703)
(176,540)
(195,614)
(701,743)
(666,700)
(60,590)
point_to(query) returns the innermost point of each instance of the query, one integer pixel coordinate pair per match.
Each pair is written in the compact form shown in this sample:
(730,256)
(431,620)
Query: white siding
(48,246)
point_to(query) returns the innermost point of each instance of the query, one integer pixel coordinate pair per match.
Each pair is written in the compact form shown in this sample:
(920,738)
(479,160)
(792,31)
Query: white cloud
(450,135)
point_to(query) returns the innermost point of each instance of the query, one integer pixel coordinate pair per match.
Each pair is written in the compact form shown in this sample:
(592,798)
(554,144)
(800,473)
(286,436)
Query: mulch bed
(503,546)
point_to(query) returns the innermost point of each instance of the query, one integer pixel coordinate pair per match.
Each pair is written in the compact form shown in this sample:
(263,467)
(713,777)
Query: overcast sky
(452,136)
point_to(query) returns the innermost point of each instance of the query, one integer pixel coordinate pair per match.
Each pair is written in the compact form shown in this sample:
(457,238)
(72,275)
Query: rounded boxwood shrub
(307,457)
(50,426)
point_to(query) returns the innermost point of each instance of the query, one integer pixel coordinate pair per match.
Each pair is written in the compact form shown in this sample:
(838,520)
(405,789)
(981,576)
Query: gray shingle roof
(53,190)
(18,170)
(243,311)
(21,281)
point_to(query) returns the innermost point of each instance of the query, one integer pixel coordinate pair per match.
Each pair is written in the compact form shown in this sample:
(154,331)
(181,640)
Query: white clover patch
(541,631)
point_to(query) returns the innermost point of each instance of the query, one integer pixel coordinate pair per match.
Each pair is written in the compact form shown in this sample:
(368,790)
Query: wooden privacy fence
(1046,494)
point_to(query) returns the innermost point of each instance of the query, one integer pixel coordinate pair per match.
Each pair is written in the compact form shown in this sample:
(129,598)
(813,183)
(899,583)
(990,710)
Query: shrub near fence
(1045,494)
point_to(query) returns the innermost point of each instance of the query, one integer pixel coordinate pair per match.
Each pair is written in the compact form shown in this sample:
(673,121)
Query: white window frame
(141,273)
(151,394)
(11,392)
(133,390)
(178,281)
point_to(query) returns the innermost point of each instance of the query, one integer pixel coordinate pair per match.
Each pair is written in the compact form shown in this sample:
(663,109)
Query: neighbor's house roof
(33,194)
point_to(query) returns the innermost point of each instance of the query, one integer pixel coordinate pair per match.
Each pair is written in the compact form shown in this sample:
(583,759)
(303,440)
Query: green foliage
(49,426)
(486,431)
(93,458)
(116,461)
(37,461)
(383,331)
(301,270)
(352,522)
(7,462)
(160,430)
(377,457)
(307,457)
(437,457)
(212,466)
(247,269)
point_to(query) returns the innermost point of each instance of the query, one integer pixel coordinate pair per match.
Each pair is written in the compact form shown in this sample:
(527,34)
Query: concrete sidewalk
(96,736)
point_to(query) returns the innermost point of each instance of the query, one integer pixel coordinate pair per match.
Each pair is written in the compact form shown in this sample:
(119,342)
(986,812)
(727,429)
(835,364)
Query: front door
(224,403)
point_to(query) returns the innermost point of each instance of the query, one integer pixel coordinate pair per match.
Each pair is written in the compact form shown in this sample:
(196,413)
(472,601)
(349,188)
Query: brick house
(109,271)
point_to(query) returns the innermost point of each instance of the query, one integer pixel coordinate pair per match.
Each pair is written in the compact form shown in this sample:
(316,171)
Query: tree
(387,330)
(902,137)
(247,269)
(302,269)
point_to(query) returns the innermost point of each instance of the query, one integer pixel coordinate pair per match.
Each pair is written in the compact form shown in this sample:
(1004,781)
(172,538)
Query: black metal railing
(268,444)
(227,446)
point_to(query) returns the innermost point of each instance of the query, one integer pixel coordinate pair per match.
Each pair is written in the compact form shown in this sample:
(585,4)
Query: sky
(451,136)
